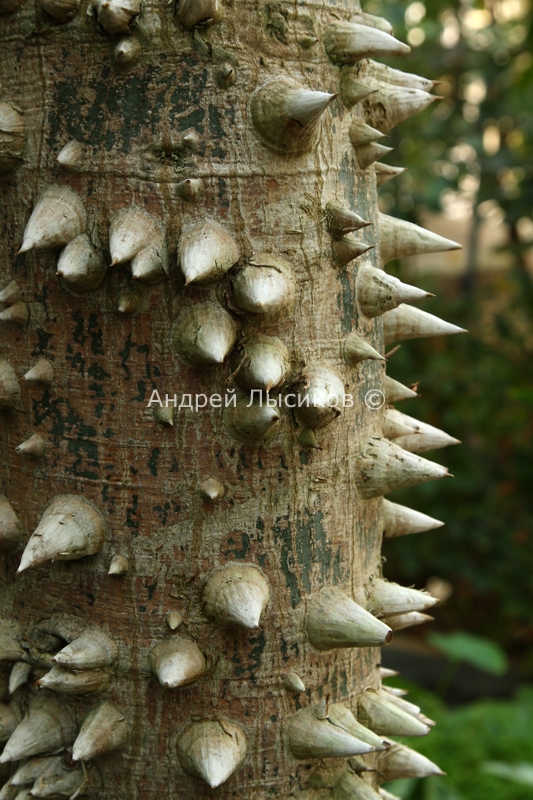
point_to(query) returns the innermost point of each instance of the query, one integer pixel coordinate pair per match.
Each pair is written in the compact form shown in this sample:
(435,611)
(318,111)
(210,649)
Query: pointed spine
(423,436)
(264,363)
(383,467)
(83,682)
(92,649)
(356,349)
(237,594)
(177,662)
(203,335)
(334,620)
(320,396)
(401,762)
(398,622)
(18,676)
(60,780)
(81,266)
(345,250)
(58,217)
(286,116)
(71,156)
(48,726)
(212,750)
(392,105)
(399,238)
(35,446)
(386,172)
(387,598)
(41,372)
(206,252)
(407,322)
(385,717)
(361,133)
(381,72)
(310,736)
(396,391)
(342,221)
(400,520)
(352,91)
(265,287)
(103,730)
(293,683)
(70,528)
(211,489)
(378,292)
(348,42)
(119,565)
(367,154)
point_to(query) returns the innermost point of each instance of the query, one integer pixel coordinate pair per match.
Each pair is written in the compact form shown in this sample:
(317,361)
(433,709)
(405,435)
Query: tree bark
(292,511)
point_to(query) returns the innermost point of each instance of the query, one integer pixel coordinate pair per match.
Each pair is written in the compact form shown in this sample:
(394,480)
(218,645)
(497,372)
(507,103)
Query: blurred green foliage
(474,650)
(476,145)
(466,742)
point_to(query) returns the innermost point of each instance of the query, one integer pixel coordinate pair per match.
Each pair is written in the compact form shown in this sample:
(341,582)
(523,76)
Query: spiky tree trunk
(200,602)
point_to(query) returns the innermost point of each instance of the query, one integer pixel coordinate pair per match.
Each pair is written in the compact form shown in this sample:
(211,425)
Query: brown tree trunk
(182,111)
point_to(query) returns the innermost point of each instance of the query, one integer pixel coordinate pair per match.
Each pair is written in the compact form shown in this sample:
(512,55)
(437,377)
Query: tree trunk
(194,123)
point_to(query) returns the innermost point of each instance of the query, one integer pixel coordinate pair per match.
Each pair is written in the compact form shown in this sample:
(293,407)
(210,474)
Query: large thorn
(385,717)
(378,292)
(422,437)
(48,726)
(18,676)
(348,42)
(212,750)
(340,715)
(356,349)
(206,251)
(265,287)
(60,780)
(392,105)
(399,238)
(103,730)
(137,236)
(41,372)
(367,154)
(387,598)
(203,335)
(401,762)
(29,771)
(398,622)
(381,72)
(35,446)
(83,682)
(311,734)
(320,396)
(400,520)
(70,528)
(345,250)
(237,594)
(81,266)
(352,91)
(408,322)
(393,427)
(286,115)
(386,172)
(58,217)
(361,133)
(334,620)
(383,467)
(177,662)
(116,16)
(396,391)
(264,364)
(92,649)
(342,221)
